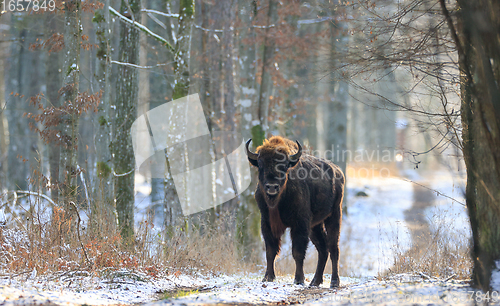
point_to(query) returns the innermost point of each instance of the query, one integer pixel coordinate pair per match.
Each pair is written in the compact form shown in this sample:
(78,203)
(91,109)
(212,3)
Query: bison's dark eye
(261,164)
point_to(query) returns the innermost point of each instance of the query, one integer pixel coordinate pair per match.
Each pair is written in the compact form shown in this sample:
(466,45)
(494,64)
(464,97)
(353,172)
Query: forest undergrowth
(442,253)
(36,238)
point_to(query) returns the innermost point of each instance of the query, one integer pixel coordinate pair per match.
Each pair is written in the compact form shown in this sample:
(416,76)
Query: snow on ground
(240,288)
(403,290)
(248,288)
(373,227)
(495,277)
(80,288)
(452,213)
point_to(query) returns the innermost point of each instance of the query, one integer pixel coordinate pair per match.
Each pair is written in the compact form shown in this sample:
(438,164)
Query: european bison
(304,193)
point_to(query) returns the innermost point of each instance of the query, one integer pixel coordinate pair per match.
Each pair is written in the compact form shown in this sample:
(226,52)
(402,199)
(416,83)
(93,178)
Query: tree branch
(136,66)
(461,53)
(15,192)
(160,13)
(144,29)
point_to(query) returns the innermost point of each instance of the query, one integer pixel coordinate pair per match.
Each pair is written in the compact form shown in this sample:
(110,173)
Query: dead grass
(209,247)
(48,241)
(53,245)
(442,252)
(46,237)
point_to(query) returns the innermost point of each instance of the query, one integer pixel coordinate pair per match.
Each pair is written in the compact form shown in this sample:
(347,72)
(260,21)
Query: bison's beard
(272,200)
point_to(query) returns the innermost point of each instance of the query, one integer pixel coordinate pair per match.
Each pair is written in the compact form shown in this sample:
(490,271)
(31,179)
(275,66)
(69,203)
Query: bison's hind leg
(318,238)
(332,225)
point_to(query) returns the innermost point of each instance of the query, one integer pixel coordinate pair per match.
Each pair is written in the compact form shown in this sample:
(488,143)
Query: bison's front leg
(300,239)
(272,249)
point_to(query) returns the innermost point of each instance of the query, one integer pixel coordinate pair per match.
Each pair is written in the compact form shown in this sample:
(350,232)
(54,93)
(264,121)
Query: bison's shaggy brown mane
(278,144)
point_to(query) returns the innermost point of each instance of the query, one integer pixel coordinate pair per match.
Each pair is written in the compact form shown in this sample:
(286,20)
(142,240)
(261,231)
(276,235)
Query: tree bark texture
(479,57)
(125,109)
(68,163)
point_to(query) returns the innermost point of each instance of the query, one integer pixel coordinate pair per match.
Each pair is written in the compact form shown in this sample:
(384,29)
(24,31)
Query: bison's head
(274,159)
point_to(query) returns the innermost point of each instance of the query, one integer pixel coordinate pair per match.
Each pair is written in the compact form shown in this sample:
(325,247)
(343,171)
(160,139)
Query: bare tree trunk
(227,62)
(4,149)
(159,88)
(144,100)
(315,111)
(479,55)
(69,123)
(337,106)
(247,93)
(103,212)
(248,218)
(181,89)
(18,170)
(125,114)
(227,78)
(54,82)
(266,83)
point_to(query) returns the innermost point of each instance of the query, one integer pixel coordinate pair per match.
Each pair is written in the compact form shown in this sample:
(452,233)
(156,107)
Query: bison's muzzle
(272,189)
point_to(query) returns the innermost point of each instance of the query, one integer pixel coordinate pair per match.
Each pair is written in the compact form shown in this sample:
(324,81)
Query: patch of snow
(246,102)
(90,290)
(248,90)
(406,291)
(373,227)
(240,288)
(446,211)
(495,277)
(248,289)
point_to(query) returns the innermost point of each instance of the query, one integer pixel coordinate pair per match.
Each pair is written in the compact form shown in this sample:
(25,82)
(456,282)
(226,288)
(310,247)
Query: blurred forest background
(387,82)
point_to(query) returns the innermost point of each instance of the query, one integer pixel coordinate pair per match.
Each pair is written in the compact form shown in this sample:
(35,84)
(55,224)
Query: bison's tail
(339,195)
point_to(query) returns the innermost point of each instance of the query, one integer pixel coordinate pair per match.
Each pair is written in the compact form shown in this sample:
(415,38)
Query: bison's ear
(253,162)
(252,157)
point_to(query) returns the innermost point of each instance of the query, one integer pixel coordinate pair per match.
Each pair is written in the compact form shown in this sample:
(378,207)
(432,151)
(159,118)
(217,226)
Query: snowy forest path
(415,217)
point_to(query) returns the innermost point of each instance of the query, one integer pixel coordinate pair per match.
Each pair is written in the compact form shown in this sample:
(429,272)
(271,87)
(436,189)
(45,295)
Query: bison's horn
(250,154)
(295,157)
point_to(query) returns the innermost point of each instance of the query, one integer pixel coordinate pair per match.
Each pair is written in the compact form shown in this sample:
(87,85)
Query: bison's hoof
(268,278)
(316,282)
(334,284)
(298,282)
